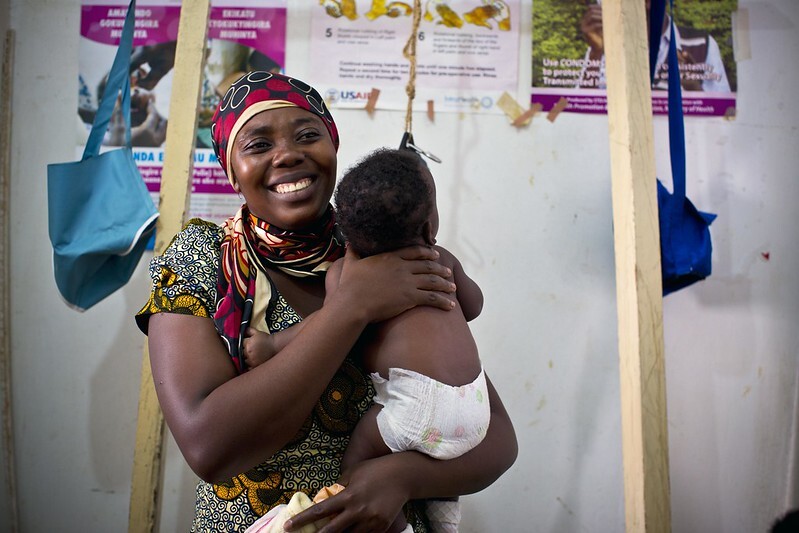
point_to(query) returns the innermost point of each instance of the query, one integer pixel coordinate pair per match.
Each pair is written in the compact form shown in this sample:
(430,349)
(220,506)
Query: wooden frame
(9,461)
(175,187)
(639,291)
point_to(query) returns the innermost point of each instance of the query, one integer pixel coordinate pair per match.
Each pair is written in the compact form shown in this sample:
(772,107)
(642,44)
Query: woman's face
(284,164)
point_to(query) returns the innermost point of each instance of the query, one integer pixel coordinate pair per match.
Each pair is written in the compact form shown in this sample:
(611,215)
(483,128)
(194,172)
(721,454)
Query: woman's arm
(226,423)
(377,488)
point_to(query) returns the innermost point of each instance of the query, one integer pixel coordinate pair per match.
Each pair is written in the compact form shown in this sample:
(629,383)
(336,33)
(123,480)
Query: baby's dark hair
(383,202)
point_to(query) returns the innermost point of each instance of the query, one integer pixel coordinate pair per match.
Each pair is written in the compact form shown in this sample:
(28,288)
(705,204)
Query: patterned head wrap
(256,92)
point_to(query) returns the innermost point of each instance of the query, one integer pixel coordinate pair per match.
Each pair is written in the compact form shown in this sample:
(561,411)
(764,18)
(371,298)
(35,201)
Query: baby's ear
(427,233)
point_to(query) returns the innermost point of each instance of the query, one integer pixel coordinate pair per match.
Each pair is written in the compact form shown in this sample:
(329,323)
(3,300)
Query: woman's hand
(372,500)
(384,285)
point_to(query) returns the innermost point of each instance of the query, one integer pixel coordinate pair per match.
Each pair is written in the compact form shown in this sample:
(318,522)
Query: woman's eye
(258,145)
(308,135)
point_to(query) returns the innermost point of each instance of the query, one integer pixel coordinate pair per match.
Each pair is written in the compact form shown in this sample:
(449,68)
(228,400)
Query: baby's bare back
(433,342)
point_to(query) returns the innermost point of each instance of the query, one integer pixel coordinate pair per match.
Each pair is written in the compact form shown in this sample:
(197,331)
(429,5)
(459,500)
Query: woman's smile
(293,186)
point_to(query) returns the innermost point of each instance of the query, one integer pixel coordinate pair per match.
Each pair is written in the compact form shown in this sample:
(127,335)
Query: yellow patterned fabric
(184,281)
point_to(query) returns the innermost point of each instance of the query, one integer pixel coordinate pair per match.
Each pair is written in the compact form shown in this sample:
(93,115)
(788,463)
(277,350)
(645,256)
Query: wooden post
(9,467)
(175,188)
(639,293)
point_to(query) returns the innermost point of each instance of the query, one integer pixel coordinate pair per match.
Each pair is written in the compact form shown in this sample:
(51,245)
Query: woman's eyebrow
(266,129)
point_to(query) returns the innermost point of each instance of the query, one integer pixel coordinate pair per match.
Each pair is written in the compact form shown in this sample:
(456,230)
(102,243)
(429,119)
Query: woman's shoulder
(194,252)
(198,233)
(184,276)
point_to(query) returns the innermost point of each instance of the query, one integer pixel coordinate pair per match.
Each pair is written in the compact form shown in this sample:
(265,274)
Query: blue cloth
(685,245)
(100,212)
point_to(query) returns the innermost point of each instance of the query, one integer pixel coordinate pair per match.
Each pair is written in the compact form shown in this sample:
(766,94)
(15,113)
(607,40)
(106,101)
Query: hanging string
(410,54)
(410,89)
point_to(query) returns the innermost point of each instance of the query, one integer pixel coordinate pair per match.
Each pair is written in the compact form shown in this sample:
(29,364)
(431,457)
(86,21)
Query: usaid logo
(335,96)
(331,96)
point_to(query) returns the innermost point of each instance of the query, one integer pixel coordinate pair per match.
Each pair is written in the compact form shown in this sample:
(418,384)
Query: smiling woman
(255,436)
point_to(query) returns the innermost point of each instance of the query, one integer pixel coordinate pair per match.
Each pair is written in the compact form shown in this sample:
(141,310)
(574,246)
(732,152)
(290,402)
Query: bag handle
(118,80)
(676,121)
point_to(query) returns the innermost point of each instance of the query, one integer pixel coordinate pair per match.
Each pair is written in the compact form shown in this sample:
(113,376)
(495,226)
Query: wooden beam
(175,188)
(639,292)
(9,461)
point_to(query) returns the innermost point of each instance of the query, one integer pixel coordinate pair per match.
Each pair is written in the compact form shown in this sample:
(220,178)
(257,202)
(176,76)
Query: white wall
(529,213)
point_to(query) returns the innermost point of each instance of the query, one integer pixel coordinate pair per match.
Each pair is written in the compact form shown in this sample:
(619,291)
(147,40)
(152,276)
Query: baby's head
(387,201)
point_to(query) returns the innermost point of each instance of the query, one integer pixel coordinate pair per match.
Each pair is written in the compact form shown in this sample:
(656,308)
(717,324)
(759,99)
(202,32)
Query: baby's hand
(257,347)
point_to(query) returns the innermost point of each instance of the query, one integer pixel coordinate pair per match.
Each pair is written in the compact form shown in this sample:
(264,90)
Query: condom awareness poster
(242,35)
(467,53)
(568,62)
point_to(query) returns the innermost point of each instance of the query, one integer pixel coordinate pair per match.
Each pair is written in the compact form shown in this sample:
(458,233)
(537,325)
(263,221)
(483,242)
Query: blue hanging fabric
(100,213)
(685,245)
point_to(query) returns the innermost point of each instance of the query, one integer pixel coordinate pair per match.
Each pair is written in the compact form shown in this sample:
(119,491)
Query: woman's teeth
(283,188)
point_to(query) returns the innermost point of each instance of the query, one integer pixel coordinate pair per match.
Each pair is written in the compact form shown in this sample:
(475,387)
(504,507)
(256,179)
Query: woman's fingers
(313,514)
(387,284)
(342,518)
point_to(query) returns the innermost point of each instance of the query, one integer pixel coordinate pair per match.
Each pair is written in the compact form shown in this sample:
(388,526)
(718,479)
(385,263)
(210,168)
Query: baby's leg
(367,443)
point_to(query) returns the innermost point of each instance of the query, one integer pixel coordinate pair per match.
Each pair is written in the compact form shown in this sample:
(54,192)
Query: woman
(286,423)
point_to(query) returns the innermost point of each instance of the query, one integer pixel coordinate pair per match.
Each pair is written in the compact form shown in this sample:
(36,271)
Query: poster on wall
(242,35)
(568,57)
(466,53)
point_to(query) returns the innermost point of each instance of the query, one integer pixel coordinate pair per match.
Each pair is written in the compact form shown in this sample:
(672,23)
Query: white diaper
(422,414)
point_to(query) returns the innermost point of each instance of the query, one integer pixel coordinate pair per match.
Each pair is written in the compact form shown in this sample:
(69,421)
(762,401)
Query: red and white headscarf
(256,92)
(249,240)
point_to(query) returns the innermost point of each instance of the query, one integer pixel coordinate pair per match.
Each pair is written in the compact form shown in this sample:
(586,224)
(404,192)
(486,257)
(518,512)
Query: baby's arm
(258,346)
(470,297)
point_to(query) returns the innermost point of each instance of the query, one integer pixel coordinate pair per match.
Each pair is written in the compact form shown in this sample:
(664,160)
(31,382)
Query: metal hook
(407,142)
(428,155)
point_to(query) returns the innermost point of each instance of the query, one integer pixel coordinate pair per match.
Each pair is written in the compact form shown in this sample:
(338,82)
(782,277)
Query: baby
(431,392)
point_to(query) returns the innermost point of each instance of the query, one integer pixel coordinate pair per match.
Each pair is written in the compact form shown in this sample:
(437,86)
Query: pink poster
(243,35)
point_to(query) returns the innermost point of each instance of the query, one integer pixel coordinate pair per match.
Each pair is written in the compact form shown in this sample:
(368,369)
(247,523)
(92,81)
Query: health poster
(242,35)
(569,63)
(466,53)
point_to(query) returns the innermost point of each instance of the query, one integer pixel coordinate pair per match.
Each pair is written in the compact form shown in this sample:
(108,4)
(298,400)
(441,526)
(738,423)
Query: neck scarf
(250,243)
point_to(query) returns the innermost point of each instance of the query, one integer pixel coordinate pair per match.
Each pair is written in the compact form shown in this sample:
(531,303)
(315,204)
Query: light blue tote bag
(101,215)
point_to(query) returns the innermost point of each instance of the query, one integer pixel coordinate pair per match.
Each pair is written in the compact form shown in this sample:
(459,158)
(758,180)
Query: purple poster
(243,35)
(568,60)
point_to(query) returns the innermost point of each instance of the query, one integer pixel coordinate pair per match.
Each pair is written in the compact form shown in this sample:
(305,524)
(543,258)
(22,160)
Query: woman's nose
(287,154)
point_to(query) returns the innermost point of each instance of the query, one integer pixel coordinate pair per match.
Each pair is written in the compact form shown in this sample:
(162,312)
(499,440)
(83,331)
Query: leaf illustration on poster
(467,53)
